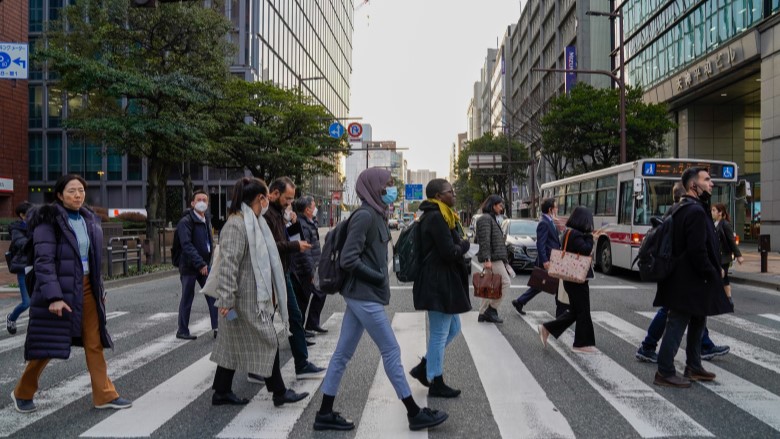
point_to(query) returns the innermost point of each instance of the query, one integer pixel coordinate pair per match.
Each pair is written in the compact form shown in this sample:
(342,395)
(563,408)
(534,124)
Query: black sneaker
(645,355)
(332,421)
(310,371)
(116,404)
(715,351)
(10,325)
(427,418)
(23,405)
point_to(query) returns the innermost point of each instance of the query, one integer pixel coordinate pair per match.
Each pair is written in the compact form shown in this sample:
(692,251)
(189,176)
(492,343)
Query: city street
(512,387)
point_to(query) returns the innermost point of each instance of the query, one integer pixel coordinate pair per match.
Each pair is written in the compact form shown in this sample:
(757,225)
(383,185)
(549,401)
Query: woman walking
(68,300)
(366,292)
(251,287)
(577,239)
(19,238)
(492,254)
(728,246)
(442,286)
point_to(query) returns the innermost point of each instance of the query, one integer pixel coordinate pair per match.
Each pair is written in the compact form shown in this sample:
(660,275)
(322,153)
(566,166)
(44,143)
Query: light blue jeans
(361,315)
(443,328)
(22,307)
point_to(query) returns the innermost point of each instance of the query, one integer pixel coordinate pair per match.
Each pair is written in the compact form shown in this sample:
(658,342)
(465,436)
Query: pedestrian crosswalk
(504,361)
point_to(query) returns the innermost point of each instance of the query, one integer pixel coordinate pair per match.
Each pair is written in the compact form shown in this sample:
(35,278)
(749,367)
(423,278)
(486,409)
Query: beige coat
(246,343)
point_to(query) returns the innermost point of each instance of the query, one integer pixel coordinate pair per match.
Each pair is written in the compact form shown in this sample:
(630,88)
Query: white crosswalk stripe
(775,317)
(749,326)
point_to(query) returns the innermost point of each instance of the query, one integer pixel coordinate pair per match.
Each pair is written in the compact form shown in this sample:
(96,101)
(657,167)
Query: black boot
(490,315)
(420,373)
(438,388)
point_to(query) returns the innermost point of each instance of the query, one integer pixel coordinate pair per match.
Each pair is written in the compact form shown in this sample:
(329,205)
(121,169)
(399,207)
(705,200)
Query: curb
(754,282)
(124,282)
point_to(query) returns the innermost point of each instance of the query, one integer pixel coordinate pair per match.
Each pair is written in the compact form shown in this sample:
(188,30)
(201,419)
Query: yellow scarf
(449,215)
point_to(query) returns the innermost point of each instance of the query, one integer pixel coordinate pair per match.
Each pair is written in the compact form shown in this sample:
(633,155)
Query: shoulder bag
(568,266)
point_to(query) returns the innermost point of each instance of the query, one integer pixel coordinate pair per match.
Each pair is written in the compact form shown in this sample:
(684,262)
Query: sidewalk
(750,271)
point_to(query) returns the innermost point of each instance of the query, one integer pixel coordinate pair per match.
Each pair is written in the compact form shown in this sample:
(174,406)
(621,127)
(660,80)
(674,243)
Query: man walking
(547,240)
(694,290)
(304,266)
(281,193)
(194,234)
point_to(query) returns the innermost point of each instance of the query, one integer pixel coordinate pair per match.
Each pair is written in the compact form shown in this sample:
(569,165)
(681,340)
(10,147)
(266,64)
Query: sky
(414,64)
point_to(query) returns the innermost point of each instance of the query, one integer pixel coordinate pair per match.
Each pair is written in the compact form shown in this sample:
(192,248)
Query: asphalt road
(512,387)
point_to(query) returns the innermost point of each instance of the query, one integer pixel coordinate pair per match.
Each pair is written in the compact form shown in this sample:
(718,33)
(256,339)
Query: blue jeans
(185,304)
(297,340)
(443,329)
(361,315)
(675,327)
(22,307)
(656,331)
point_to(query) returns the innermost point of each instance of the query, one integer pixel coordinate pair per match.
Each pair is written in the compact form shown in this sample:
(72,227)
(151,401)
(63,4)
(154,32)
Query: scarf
(450,216)
(369,187)
(266,266)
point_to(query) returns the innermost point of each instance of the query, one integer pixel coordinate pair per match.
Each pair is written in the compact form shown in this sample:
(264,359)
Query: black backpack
(407,259)
(655,260)
(329,270)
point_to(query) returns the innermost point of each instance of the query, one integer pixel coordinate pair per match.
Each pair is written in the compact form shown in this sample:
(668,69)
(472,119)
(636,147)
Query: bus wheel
(605,257)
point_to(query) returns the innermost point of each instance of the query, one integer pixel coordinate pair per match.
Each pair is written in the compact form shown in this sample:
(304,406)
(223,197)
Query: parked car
(472,232)
(393,223)
(520,236)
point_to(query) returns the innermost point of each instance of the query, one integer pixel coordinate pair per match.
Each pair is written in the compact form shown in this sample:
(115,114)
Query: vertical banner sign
(571,64)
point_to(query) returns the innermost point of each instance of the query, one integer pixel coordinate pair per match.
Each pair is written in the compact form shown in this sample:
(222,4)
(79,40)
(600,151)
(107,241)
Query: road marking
(260,419)
(775,317)
(56,397)
(18,340)
(648,413)
(519,405)
(747,396)
(384,416)
(156,407)
(746,351)
(747,325)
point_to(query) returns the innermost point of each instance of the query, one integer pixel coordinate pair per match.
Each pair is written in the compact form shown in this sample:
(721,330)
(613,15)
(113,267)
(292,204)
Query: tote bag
(568,266)
(210,287)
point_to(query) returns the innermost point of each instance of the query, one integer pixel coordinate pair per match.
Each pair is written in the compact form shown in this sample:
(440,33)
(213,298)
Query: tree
(151,77)
(584,127)
(273,132)
(473,186)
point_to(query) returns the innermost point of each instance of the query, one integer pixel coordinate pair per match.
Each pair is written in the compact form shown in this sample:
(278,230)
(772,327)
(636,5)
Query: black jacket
(19,238)
(275,219)
(305,263)
(196,242)
(728,246)
(580,243)
(443,282)
(695,286)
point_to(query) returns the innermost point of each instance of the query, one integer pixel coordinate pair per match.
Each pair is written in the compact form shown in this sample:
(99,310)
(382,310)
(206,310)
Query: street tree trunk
(155,205)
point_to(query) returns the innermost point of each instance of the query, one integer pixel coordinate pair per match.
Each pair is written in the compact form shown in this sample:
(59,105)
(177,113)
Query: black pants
(676,322)
(306,292)
(579,312)
(223,379)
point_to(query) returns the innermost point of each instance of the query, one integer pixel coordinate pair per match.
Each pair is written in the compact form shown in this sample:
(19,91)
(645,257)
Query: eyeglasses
(451,191)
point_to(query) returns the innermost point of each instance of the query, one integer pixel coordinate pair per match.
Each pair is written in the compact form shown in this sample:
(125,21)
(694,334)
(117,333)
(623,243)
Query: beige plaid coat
(246,343)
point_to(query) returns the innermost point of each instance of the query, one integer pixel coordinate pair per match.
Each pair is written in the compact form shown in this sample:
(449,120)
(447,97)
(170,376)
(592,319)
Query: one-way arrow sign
(13,60)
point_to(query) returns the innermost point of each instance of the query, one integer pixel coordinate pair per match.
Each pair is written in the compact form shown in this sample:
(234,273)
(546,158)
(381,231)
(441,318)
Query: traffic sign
(355,129)
(13,60)
(336,130)
(414,192)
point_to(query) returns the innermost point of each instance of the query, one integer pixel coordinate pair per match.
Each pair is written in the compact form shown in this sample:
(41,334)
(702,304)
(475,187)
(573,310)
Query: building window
(134,168)
(53,156)
(35,143)
(35,119)
(76,155)
(93,162)
(114,166)
(55,107)
(36,15)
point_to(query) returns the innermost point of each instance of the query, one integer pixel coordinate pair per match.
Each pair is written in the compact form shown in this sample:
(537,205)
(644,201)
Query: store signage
(6,185)
(571,65)
(714,64)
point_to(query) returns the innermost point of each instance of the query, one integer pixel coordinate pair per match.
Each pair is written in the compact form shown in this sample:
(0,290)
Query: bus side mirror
(743,189)
(639,188)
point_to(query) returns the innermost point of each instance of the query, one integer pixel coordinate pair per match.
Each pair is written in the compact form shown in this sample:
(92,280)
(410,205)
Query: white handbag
(570,267)
(210,287)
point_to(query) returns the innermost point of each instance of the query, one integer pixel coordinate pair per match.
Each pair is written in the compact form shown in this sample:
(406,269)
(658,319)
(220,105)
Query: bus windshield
(658,199)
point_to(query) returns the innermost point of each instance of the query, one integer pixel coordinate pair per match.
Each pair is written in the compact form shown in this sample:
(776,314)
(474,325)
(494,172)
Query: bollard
(763,248)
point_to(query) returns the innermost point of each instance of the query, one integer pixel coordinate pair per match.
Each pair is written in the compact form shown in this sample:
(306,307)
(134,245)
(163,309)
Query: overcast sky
(414,67)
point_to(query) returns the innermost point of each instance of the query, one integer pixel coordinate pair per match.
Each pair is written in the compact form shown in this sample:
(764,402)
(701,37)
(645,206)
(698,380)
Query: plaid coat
(246,343)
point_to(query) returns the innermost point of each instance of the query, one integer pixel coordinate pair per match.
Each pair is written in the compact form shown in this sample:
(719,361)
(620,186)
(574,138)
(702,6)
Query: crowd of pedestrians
(269,250)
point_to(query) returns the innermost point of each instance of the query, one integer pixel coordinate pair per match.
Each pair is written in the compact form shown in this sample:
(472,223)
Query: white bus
(623,198)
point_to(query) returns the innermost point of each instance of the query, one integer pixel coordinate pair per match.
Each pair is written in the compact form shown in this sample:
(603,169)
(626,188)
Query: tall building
(293,44)
(457,147)
(13,110)
(369,153)
(421,176)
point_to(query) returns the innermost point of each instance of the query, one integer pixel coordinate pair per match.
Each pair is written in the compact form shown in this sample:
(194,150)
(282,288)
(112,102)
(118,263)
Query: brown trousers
(103,390)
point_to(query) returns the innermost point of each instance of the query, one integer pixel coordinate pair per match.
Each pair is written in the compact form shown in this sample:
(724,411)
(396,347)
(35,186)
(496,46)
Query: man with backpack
(193,247)
(17,261)
(693,289)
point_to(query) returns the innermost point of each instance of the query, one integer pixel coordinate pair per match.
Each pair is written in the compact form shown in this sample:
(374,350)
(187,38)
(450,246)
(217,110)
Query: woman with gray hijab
(366,292)
(251,288)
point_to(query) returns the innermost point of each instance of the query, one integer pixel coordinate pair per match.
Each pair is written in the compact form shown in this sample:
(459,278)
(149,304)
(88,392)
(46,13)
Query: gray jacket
(364,257)
(491,241)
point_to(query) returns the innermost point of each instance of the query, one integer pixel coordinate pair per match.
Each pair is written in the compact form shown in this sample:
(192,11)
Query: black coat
(19,238)
(728,245)
(443,282)
(580,243)
(695,286)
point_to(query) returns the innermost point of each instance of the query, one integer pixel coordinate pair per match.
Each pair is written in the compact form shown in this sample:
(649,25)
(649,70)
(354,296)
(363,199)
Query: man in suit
(547,239)
(694,290)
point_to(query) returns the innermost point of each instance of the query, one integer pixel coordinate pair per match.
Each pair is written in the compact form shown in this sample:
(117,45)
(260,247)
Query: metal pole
(622,83)
(533,184)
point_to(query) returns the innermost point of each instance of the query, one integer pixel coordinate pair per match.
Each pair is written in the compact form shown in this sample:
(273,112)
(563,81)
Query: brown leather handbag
(487,285)
(542,281)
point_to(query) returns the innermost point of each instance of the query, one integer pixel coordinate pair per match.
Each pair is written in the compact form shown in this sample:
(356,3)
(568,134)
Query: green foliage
(473,186)
(273,132)
(582,129)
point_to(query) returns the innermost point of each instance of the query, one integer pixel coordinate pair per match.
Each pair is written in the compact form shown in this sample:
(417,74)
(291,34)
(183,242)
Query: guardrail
(123,254)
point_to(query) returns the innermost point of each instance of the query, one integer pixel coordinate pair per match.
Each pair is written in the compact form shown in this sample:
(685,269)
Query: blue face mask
(391,193)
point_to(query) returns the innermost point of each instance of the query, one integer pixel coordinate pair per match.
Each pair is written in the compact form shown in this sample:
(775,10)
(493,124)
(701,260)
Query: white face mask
(201,206)
(314,214)
(263,210)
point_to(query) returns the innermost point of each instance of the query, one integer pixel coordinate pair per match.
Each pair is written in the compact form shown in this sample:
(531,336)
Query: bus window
(588,195)
(656,201)
(626,202)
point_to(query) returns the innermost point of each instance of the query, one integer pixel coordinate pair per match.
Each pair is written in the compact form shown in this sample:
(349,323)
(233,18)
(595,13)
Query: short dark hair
(490,201)
(198,192)
(302,203)
(547,205)
(59,186)
(691,173)
(435,186)
(245,191)
(281,184)
(22,208)
(581,219)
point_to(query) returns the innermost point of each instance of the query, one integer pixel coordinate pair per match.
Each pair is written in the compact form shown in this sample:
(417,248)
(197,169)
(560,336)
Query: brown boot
(671,381)
(698,374)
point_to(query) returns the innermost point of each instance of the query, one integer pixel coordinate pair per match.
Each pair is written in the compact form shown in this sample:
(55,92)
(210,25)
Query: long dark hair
(245,191)
(581,219)
(487,205)
(721,208)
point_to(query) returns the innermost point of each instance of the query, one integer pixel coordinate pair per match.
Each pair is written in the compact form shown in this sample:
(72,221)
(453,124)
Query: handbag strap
(565,241)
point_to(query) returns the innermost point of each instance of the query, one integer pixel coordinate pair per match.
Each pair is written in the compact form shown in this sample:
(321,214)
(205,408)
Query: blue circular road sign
(336,130)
